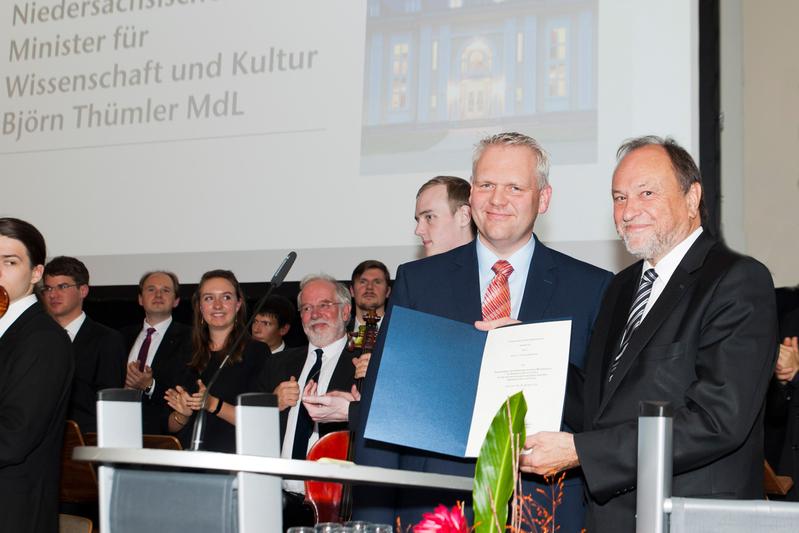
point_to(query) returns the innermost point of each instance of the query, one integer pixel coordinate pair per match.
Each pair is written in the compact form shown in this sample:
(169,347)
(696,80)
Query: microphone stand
(199,422)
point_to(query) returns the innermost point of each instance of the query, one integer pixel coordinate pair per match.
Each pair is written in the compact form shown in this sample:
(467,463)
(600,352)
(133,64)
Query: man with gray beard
(324,306)
(693,324)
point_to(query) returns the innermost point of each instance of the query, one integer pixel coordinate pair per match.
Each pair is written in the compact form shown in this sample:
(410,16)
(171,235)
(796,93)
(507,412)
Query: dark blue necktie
(636,315)
(304,426)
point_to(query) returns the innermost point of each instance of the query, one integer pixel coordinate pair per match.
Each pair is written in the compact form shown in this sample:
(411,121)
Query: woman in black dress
(219,311)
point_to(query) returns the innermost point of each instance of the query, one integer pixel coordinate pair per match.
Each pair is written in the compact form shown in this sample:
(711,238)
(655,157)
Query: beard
(652,246)
(334,331)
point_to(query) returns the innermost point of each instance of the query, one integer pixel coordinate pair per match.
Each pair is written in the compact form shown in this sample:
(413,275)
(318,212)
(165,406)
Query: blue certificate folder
(427,382)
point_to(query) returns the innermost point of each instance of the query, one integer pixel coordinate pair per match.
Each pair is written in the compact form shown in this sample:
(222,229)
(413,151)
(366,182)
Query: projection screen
(196,134)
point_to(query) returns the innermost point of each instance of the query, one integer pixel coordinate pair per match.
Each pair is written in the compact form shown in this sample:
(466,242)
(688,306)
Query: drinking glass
(379,528)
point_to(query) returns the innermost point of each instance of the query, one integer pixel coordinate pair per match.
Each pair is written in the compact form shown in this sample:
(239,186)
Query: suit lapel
(684,276)
(166,349)
(465,285)
(84,333)
(289,364)
(21,320)
(624,301)
(343,376)
(542,279)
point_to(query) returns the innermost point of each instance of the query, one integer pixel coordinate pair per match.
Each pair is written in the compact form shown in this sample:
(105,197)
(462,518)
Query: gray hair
(516,139)
(682,163)
(342,293)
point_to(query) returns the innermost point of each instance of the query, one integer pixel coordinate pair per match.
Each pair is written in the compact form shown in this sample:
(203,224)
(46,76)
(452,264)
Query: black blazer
(100,359)
(36,368)
(708,347)
(782,417)
(282,366)
(169,364)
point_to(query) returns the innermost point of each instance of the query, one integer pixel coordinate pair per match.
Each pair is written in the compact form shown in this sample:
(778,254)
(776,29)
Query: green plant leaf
(493,477)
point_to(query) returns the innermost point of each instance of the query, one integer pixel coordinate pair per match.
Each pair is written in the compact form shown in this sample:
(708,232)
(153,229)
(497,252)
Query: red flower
(443,521)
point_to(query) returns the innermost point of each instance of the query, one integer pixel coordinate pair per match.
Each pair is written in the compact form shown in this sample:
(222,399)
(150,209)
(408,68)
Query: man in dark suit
(158,351)
(509,190)
(99,351)
(35,374)
(443,216)
(370,288)
(693,324)
(324,365)
(782,406)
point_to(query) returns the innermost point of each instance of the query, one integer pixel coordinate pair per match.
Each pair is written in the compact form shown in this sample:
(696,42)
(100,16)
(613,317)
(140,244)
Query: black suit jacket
(448,285)
(36,368)
(283,365)
(169,365)
(708,346)
(100,359)
(782,417)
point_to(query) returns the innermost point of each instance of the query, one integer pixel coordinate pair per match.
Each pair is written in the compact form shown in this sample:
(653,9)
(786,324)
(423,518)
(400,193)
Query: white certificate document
(532,358)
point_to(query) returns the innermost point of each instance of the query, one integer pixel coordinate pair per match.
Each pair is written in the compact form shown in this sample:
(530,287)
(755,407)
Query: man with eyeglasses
(324,306)
(158,350)
(99,350)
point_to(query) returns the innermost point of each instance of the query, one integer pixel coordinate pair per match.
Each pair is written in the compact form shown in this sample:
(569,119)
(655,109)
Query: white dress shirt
(666,267)
(74,326)
(330,355)
(280,348)
(521,261)
(14,311)
(155,342)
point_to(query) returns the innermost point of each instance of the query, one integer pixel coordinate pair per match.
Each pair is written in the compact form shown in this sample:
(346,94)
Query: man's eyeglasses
(322,307)
(60,287)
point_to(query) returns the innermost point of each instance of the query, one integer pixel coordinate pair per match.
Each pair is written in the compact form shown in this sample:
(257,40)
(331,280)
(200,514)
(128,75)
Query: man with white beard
(324,306)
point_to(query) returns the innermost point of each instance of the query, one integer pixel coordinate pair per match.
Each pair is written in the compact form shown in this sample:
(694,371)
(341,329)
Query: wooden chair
(161,442)
(156,442)
(775,485)
(78,479)
(69,523)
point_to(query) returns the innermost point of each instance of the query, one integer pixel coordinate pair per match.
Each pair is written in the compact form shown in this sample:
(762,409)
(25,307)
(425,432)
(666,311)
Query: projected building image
(441,73)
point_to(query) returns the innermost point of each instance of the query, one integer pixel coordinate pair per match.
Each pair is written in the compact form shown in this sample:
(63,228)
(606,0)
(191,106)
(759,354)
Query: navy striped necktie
(636,315)
(304,427)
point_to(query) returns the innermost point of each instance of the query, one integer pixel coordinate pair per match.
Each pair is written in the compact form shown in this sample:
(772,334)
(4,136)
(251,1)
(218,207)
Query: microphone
(277,279)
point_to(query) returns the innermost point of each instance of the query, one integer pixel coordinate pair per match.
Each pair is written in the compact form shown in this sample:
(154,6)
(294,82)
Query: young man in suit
(99,350)
(158,350)
(692,323)
(36,367)
(443,216)
(510,188)
(370,288)
(273,322)
(443,222)
(324,306)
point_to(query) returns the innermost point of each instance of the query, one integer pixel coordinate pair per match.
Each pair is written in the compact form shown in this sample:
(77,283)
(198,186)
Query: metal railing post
(654,466)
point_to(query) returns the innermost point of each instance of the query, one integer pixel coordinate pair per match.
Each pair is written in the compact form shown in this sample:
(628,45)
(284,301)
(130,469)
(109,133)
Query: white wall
(760,141)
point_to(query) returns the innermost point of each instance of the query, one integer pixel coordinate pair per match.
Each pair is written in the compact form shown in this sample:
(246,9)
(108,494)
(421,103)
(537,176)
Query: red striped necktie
(496,303)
